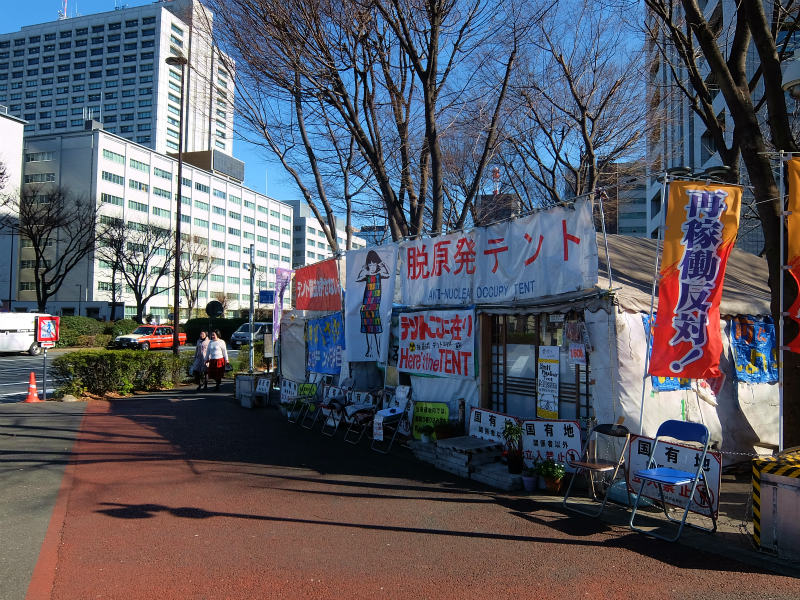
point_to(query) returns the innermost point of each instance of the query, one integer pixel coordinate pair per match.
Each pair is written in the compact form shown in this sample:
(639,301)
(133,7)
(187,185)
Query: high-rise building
(677,136)
(309,242)
(110,67)
(11,170)
(220,217)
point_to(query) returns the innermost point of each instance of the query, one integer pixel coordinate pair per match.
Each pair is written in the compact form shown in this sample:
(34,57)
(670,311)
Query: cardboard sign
(554,439)
(428,413)
(488,425)
(438,342)
(547,383)
(677,456)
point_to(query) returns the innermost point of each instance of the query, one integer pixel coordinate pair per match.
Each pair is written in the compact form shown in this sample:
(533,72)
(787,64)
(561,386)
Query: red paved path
(201,499)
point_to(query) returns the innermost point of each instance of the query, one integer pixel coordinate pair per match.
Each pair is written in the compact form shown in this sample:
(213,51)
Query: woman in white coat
(216,358)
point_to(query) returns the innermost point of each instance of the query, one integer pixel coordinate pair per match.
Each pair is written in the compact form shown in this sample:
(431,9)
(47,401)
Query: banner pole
(652,302)
(780,311)
(599,195)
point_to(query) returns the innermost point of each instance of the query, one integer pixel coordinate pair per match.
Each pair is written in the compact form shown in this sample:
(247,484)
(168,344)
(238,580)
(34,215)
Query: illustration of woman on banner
(371,274)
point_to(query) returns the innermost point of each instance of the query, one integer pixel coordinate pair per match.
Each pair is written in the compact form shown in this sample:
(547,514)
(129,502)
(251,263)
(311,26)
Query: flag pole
(651,325)
(780,311)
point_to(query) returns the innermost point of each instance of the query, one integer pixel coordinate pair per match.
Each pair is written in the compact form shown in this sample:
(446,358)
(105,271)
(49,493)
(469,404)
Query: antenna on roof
(62,14)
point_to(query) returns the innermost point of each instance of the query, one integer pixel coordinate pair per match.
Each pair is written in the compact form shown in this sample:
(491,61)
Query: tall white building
(309,242)
(677,136)
(137,184)
(11,160)
(110,67)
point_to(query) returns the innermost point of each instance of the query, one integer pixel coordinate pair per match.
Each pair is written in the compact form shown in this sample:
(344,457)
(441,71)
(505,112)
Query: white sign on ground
(676,456)
(554,439)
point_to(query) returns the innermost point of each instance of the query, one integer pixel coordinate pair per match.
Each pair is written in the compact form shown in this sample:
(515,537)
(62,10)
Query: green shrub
(121,327)
(72,328)
(120,371)
(99,340)
(226,327)
(242,361)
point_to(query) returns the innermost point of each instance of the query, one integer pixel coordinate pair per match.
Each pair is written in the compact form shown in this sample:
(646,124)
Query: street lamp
(80,297)
(175,61)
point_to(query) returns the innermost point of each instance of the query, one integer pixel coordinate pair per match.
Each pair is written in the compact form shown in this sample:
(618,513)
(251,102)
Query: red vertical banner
(793,254)
(701,226)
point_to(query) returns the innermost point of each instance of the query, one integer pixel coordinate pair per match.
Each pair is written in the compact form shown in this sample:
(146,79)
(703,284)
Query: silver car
(242,335)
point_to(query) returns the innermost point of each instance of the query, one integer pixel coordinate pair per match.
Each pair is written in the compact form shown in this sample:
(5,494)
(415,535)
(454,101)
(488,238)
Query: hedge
(242,361)
(71,328)
(119,371)
(226,327)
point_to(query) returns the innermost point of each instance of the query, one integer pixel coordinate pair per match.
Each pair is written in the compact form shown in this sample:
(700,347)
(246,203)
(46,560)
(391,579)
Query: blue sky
(260,175)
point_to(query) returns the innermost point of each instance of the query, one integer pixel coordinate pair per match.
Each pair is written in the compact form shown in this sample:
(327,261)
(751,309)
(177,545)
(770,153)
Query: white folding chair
(391,418)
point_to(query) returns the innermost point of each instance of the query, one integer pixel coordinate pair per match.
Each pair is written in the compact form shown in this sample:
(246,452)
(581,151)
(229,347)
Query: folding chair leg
(294,417)
(681,522)
(383,447)
(309,416)
(355,432)
(330,423)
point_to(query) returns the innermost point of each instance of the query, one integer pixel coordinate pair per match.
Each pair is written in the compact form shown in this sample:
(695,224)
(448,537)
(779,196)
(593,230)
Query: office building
(139,185)
(309,242)
(677,136)
(11,164)
(110,67)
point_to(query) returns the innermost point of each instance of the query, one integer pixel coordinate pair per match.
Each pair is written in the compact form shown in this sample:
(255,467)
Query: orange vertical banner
(701,227)
(793,254)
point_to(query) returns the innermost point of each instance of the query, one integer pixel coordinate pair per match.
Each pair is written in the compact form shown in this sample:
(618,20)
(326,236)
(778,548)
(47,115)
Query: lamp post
(175,61)
(80,297)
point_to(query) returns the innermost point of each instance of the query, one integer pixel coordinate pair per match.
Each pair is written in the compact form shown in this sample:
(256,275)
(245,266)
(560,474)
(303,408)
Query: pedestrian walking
(199,369)
(216,357)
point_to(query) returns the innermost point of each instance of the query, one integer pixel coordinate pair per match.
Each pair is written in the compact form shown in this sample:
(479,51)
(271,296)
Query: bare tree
(367,91)
(58,228)
(576,104)
(726,47)
(144,253)
(196,265)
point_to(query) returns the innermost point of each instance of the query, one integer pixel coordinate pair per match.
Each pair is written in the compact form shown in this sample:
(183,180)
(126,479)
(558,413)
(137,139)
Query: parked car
(18,332)
(146,337)
(242,335)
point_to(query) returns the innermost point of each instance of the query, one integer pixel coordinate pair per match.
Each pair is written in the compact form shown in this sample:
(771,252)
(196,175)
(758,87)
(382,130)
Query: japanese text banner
(792,327)
(370,277)
(548,253)
(701,226)
(325,341)
(317,286)
(282,279)
(438,342)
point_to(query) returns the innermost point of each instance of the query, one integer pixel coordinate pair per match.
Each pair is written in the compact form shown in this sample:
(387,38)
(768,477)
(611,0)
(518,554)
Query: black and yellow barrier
(785,465)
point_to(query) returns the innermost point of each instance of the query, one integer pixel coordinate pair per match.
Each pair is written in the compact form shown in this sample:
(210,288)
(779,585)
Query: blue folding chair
(680,431)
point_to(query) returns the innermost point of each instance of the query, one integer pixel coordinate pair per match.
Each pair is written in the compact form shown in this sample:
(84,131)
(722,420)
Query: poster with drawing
(368,302)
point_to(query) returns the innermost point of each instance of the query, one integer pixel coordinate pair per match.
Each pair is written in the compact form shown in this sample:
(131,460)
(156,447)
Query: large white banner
(544,254)
(368,302)
(437,342)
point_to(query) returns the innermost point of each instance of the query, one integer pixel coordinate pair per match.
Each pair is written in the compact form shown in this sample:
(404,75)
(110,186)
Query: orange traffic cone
(33,395)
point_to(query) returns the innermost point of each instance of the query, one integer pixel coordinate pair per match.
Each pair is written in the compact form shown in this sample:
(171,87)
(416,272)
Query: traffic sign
(214,309)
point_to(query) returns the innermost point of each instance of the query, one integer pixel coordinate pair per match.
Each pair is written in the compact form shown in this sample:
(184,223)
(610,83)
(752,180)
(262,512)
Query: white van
(18,332)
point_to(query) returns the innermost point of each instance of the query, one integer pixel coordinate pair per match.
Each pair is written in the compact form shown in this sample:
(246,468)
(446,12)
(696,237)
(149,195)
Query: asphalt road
(181,495)
(15,370)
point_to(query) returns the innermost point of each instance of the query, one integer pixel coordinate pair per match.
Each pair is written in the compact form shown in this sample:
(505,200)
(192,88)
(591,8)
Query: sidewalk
(185,495)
